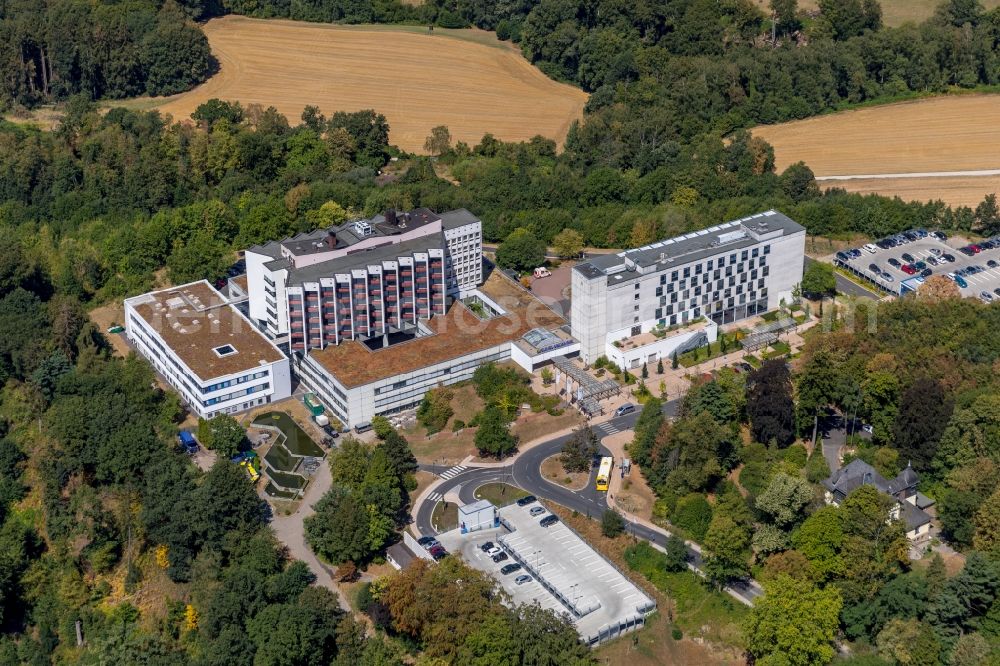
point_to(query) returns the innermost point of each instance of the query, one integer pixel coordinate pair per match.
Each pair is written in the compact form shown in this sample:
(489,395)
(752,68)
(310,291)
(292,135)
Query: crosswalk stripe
(435,497)
(452,472)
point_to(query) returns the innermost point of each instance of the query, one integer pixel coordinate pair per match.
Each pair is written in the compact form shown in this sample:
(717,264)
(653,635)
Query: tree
(821,540)
(938,288)
(521,250)
(693,515)
(493,436)
(819,280)
(971,650)
(849,18)
(568,243)
(769,404)
(439,141)
(908,643)
(673,360)
(659,366)
(728,546)
(399,454)
(435,409)
(222,434)
(793,623)
(580,449)
(987,212)
(612,523)
(676,553)
(785,499)
(645,371)
(338,531)
(202,257)
(924,411)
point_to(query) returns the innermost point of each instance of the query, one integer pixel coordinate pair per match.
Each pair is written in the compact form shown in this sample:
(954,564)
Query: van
(363,427)
(627,408)
(542,272)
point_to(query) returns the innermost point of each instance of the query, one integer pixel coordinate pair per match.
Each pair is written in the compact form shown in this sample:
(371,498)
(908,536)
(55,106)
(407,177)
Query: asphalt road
(525,473)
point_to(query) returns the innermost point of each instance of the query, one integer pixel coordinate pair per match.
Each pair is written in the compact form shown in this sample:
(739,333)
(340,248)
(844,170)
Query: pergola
(589,391)
(766,334)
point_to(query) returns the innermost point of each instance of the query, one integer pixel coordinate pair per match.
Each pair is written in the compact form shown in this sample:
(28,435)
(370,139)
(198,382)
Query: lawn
(500,494)
(553,470)
(713,350)
(445,516)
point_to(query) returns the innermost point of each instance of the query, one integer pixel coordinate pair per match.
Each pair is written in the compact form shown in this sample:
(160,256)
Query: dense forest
(731,474)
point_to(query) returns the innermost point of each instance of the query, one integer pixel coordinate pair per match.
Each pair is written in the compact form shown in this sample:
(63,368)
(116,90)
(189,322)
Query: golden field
(465,79)
(933,135)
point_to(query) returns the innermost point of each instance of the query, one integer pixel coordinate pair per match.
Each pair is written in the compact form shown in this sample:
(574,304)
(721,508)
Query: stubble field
(465,79)
(894,12)
(942,137)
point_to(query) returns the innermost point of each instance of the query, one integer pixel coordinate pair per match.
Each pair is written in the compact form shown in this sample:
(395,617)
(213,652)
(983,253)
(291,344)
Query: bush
(693,514)
(817,469)
(381,426)
(676,633)
(457,424)
(796,454)
(435,409)
(612,524)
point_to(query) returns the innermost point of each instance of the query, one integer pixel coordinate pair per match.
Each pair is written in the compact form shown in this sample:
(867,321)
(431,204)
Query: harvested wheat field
(894,12)
(465,79)
(942,137)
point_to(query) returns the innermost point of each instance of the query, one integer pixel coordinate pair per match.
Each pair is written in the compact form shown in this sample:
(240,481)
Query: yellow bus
(604,473)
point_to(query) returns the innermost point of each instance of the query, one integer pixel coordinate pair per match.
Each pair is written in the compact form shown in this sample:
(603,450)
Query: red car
(908,269)
(975,249)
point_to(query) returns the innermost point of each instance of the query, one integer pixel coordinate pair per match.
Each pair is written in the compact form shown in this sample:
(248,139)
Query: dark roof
(858,473)
(913,516)
(363,258)
(400,554)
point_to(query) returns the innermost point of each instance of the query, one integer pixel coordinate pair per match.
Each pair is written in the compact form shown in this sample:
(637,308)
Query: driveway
(845,286)
(291,532)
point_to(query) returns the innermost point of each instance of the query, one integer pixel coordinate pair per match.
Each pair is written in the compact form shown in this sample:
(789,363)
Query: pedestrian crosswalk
(435,497)
(453,472)
(608,428)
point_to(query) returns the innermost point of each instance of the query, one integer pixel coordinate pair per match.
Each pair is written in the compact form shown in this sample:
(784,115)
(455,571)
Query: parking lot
(922,249)
(567,575)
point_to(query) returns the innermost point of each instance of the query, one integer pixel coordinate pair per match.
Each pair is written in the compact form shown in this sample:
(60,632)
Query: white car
(493,551)
(937,252)
(871,249)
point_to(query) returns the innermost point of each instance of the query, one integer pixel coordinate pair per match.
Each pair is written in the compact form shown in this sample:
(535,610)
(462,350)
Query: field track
(935,136)
(464,79)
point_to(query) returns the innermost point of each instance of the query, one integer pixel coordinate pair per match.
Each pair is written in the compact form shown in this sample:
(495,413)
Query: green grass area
(777,350)
(697,605)
(500,494)
(445,516)
(752,360)
(296,440)
(707,353)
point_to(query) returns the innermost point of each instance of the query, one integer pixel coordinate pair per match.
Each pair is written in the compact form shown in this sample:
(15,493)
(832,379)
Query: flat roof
(363,258)
(694,246)
(195,320)
(457,333)
(568,574)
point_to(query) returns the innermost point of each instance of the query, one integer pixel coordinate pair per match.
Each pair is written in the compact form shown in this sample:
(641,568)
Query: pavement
(524,471)
(290,530)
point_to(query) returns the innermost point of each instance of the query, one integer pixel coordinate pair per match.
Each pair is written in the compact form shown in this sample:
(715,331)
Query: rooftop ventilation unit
(363,228)
(731,236)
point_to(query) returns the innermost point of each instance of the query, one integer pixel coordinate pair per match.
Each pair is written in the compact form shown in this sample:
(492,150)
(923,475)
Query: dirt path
(291,532)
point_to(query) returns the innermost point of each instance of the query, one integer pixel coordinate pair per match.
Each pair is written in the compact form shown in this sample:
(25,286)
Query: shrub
(796,454)
(457,425)
(676,633)
(612,524)
(435,409)
(693,514)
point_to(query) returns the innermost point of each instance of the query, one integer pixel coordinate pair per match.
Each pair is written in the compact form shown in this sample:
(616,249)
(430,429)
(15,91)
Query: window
(637,286)
(767,249)
(687,272)
(224,350)
(663,279)
(636,297)
(636,330)
(659,291)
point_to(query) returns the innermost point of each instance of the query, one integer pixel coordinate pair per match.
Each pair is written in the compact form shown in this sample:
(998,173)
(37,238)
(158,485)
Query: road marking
(435,497)
(453,472)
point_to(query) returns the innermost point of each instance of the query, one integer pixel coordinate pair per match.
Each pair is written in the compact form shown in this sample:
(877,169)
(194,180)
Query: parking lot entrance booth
(481,515)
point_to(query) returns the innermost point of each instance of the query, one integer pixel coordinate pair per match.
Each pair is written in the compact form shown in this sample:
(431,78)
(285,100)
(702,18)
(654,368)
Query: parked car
(976,249)
(950,258)
(855,253)
(495,550)
(874,268)
(908,269)
(960,281)
(920,265)
(187,442)
(627,408)
(528,499)
(907,257)
(486,546)
(537,510)
(894,262)
(510,568)
(331,431)
(870,248)
(992,263)
(522,579)
(888,278)
(986,296)
(842,256)
(548,521)
(428,542)
(926,272)
(500,557)
(438,552)
(997,291)
(939,235)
